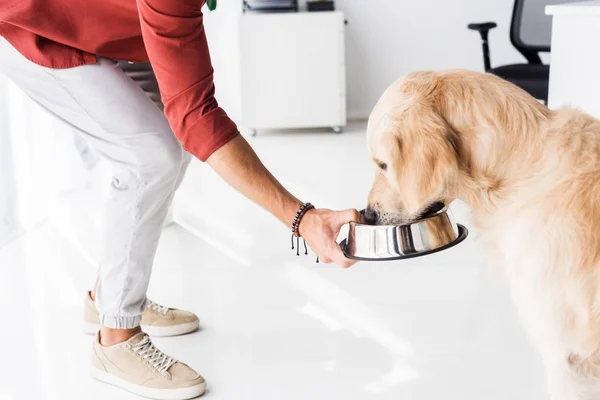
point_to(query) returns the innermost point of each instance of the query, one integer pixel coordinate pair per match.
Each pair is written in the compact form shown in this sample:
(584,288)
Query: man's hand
(241,168)
(321,227)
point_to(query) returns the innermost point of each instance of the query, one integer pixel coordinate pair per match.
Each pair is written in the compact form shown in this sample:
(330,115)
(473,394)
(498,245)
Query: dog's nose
(371,215)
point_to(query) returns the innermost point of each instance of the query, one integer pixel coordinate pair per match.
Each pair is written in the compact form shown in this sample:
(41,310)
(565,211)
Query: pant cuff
(120,322)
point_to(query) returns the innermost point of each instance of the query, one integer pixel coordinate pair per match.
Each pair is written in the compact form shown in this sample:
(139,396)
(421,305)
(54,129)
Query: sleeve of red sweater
(175,40)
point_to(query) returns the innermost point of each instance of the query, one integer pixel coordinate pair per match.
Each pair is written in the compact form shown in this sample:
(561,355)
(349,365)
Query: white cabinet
(292,70)
(574,73)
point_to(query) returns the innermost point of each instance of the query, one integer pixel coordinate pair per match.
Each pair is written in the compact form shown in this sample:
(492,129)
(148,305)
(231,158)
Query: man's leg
(128,130)
(174,322)
(143,75)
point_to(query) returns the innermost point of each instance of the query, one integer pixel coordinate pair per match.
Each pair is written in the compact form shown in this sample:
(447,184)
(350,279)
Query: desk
(575,57)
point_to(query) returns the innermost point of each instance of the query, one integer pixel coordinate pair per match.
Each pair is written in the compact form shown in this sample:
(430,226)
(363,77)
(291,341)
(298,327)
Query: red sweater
(168,33)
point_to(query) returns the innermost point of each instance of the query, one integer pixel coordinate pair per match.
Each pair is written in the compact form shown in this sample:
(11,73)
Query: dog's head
(414,149)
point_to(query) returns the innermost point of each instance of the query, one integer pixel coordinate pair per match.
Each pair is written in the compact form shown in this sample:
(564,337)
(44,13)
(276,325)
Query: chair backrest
(531,28)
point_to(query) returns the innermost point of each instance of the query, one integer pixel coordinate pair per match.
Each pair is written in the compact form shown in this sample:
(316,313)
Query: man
(62,54)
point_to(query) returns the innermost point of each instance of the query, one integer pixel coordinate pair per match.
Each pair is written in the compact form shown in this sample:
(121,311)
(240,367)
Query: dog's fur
(531,177)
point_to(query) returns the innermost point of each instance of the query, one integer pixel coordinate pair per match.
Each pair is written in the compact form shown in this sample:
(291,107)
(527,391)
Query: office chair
(530,34)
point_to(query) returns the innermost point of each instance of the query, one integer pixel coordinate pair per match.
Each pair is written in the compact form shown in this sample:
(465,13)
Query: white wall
(222,33)
(388,38)
(385,39)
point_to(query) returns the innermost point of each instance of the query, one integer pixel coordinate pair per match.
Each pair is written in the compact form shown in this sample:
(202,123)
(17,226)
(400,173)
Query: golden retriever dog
(531,177)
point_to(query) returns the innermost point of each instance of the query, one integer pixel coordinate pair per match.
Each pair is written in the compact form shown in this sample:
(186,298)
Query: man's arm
(237,163)
(176,43)
(241,168)
(174,37)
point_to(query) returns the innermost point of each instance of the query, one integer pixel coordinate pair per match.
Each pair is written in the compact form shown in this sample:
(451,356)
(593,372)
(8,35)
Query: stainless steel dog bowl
(435,232)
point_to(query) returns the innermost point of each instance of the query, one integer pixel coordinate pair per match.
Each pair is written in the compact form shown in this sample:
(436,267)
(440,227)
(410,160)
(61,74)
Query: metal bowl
(432,233)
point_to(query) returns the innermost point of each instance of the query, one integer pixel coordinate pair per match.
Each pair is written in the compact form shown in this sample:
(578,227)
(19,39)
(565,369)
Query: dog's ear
(429,149)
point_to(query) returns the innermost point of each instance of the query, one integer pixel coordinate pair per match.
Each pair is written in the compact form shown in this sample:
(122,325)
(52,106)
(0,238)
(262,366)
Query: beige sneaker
(138,367)
(156,320)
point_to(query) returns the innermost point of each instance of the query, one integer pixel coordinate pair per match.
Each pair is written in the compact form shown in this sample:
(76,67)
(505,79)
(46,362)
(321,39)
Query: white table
(575,58)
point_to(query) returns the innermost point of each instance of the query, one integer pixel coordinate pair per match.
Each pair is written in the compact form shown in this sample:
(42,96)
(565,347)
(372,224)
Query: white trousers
(116,109)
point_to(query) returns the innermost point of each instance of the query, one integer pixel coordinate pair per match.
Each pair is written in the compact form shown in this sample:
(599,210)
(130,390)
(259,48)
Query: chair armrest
(482,27)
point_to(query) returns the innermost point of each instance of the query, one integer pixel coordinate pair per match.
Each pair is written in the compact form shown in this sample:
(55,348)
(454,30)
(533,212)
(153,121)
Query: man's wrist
(306,207)
(291,209)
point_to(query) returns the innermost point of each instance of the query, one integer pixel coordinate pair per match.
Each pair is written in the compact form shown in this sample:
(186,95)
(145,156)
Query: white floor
(274,326)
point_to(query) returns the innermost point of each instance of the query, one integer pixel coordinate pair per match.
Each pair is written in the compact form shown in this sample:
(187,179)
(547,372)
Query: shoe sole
(173,330)
(155,331)
(152,393)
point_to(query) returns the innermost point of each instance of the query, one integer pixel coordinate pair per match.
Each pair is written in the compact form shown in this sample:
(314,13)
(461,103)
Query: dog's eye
(382,165)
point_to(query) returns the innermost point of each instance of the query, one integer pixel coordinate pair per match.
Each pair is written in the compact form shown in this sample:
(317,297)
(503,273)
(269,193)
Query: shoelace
(157,360)
(157,307)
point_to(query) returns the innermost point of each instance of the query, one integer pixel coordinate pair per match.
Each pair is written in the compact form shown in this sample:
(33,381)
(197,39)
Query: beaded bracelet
(296,224)
(296,227)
